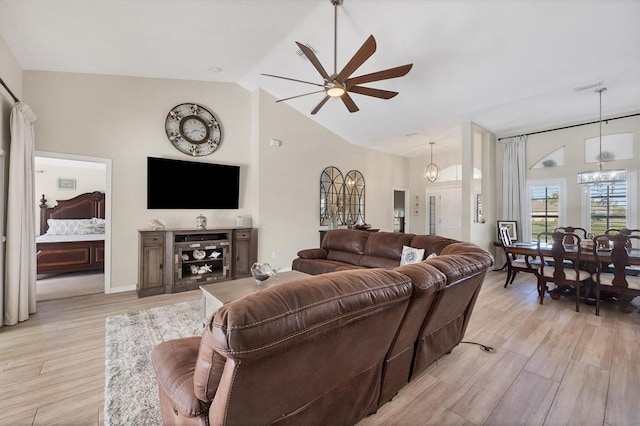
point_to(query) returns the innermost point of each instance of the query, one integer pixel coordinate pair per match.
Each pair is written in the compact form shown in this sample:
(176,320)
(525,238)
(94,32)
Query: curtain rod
(9,90)
(569,127)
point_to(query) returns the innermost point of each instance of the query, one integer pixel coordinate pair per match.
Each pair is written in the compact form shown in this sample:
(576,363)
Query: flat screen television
(175,184)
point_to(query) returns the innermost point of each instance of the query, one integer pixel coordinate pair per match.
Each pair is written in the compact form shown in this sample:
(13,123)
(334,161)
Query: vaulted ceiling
(507,65)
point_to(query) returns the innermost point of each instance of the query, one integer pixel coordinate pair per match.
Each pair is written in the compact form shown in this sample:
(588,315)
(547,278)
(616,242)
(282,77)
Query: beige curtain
(20,264)
(514,180)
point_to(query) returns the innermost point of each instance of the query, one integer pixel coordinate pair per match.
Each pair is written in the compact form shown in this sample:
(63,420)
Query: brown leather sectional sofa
(330,348)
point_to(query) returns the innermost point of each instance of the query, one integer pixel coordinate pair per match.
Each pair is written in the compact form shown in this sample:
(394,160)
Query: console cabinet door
(151,275)
(244,251)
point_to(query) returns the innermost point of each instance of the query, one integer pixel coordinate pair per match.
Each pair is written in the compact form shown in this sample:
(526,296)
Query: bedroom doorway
(64,177)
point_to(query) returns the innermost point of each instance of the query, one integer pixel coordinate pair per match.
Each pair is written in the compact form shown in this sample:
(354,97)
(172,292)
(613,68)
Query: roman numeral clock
(193,129)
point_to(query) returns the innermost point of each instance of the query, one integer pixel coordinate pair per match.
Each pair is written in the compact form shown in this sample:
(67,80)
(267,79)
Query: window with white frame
(607,207)
(545,206)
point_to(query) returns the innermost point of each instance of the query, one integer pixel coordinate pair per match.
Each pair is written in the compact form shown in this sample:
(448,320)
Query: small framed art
(512,226)
(64,183)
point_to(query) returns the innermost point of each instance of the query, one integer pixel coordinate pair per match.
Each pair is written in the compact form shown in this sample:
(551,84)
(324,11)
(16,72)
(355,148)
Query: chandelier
(601,177)
(432,171)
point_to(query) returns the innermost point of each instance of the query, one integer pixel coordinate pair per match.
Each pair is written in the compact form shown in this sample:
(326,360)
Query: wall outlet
(273,255)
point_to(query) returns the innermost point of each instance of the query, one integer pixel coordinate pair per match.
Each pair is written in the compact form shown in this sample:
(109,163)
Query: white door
(444,212)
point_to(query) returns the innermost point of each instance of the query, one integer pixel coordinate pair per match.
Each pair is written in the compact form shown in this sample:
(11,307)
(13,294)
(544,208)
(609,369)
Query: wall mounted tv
(175,184)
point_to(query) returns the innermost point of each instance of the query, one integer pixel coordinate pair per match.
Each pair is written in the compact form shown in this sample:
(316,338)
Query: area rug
(131,393)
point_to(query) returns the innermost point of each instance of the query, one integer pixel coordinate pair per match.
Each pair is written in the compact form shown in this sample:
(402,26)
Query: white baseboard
(122,289)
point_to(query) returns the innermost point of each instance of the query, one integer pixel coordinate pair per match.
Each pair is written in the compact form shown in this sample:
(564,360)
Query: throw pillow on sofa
(411,255)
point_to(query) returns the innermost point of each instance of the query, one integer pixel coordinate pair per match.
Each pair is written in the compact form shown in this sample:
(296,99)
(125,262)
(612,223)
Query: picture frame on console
(512,226)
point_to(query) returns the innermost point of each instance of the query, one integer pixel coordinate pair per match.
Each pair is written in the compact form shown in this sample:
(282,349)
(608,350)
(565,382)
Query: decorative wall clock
(193,129)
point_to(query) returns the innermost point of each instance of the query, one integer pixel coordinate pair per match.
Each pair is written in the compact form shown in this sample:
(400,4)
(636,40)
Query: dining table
(587,258)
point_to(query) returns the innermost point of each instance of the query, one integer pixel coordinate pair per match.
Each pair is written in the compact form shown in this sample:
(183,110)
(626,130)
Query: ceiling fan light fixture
(335,90)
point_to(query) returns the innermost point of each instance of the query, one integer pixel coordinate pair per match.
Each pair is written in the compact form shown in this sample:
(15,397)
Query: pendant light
(600,177)
(431,172)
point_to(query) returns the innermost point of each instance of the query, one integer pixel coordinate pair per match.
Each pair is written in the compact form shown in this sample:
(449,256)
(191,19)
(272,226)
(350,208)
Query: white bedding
(66,238)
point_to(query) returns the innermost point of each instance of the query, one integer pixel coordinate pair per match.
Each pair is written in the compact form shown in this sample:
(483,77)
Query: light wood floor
(552,365)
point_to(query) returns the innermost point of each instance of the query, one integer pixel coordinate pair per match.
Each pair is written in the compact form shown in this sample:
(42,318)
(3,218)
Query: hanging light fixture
(431,172)
(600,177)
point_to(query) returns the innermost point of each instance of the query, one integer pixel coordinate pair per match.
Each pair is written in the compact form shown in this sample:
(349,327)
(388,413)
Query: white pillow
(67,226)
(92,228)
(431,256)
(411,255)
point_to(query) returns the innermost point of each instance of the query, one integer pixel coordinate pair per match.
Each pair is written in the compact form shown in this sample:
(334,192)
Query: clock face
(193,129)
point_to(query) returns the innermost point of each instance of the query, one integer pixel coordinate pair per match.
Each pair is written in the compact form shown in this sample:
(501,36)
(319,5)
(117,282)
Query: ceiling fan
(339,84)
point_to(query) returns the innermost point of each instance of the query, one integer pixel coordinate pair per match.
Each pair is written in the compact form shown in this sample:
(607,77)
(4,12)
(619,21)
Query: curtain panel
(514,174)
(20,261)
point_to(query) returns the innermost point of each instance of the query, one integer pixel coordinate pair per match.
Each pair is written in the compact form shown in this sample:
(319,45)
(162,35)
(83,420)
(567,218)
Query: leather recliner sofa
(344,249)
(327,349)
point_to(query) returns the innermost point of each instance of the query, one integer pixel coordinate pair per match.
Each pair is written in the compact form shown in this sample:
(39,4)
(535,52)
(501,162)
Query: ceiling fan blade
(292,79)
(298,96)
(348,102)
(366,50)
(314,60)
(322,102)
(379,75)
(376,93)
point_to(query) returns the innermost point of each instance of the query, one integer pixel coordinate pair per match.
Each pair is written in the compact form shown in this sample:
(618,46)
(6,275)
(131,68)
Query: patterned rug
(131,394)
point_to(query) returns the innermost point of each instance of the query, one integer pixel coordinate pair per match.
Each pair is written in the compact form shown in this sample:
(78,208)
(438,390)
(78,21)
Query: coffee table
(217,294)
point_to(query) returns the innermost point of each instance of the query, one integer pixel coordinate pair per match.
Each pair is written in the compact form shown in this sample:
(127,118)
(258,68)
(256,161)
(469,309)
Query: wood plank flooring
(551,366)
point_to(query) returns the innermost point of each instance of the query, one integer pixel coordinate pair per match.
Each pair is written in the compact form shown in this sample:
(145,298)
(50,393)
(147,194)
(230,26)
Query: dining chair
(582,233)
(631,269)
(516,264)
(623,251)
(565,246)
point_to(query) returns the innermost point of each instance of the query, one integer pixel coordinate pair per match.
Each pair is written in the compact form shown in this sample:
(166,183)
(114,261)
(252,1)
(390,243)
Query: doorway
(444,212)
(399,210)
(62,177)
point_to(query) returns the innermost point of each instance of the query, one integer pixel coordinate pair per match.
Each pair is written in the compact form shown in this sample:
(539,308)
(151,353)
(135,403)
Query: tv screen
(175,184)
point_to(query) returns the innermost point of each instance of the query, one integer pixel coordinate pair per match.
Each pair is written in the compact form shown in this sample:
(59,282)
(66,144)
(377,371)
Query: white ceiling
(509,66)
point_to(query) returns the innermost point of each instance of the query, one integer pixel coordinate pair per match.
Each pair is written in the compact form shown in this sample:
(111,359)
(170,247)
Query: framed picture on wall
(66,183)
(512,226)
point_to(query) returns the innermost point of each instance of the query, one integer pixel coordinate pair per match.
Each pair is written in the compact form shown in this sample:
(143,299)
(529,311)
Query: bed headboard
(84,206)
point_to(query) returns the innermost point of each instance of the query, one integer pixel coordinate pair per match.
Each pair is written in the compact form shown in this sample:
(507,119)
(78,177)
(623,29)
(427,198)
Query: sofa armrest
(174,362)
(317,253)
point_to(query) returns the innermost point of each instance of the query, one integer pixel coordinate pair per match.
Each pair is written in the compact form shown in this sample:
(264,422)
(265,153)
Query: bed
(71,235)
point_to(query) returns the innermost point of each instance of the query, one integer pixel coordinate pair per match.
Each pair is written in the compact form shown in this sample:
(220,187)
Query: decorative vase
(201,222)
(261,272)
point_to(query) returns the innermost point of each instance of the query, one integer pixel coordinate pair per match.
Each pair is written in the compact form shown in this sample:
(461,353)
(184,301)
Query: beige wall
(289,179)
(88,179)
(122,118)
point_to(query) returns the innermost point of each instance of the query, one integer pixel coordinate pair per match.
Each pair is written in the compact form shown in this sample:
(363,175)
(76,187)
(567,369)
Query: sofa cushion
(344,245)
(345,240)
(431,243)
(320,266)
(384,249)
(411,255)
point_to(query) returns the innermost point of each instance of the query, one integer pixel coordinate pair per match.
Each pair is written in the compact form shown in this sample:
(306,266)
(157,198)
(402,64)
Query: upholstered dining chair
(516,264)
(565,246)
(624,252)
